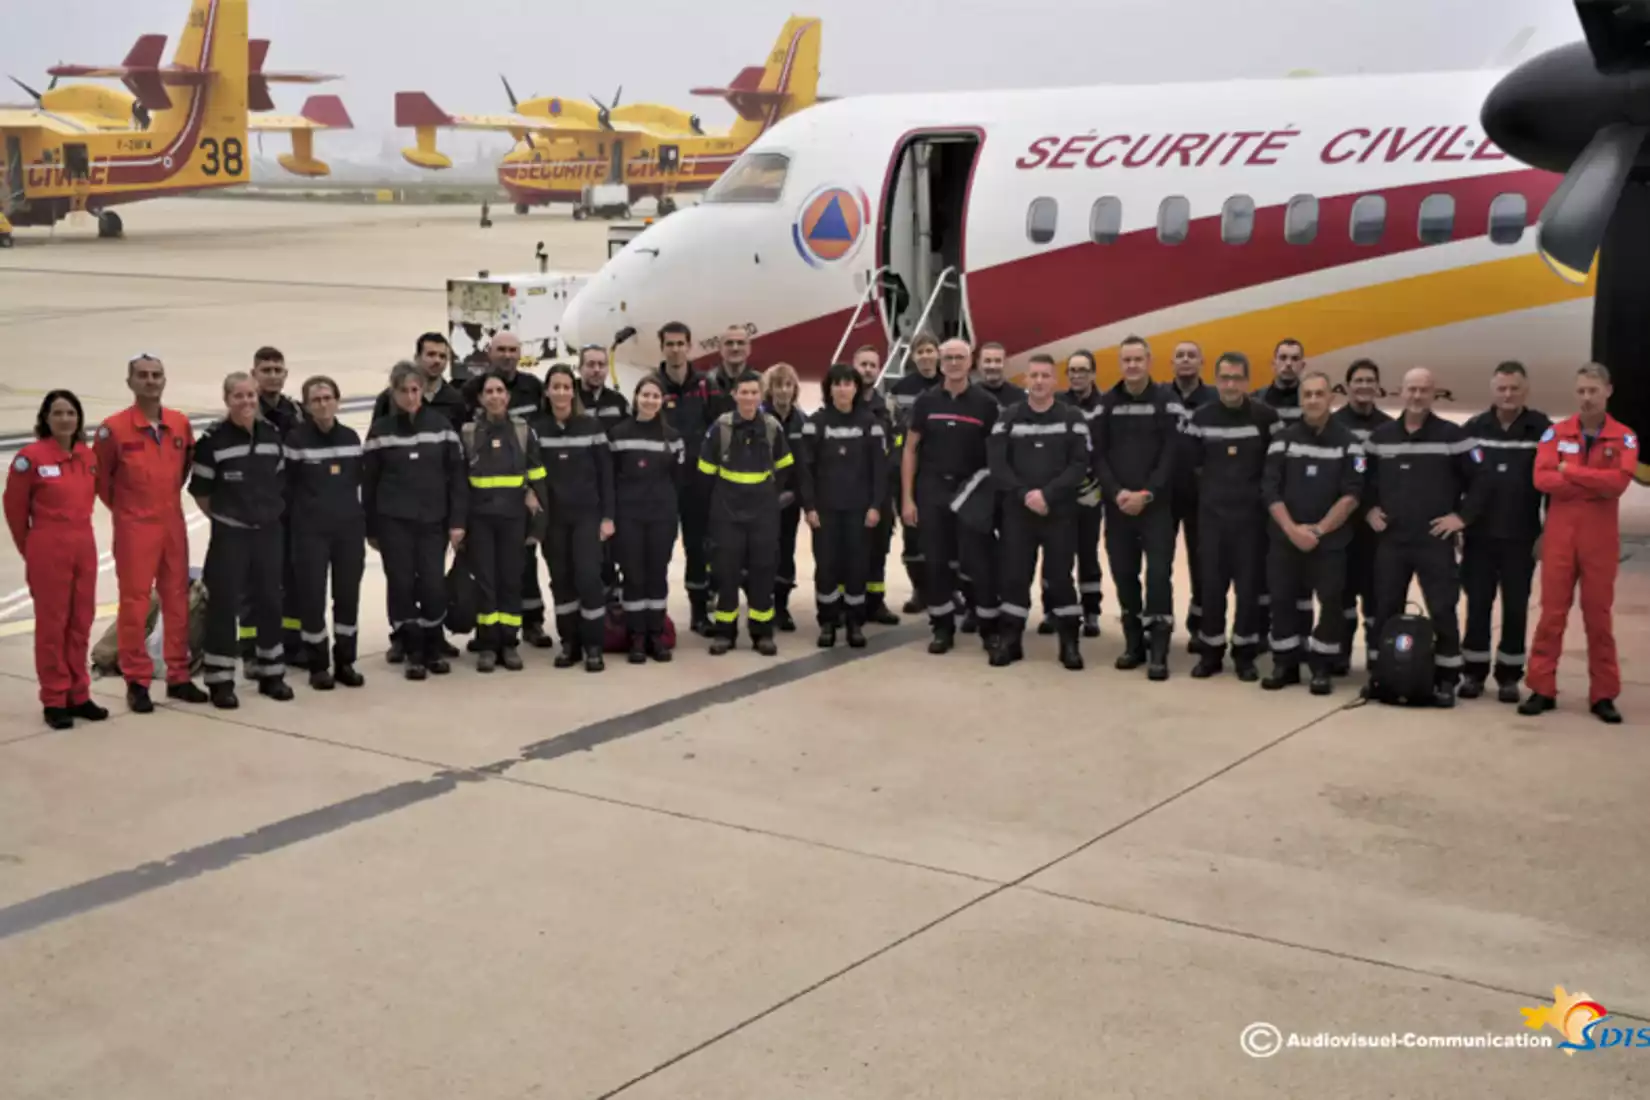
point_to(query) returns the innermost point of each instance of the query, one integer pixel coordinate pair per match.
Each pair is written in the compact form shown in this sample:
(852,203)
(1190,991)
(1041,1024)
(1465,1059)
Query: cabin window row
(1509,213)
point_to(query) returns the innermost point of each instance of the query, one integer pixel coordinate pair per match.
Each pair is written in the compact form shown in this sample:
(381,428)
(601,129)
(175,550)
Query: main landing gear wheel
(667,206)
(109,225)
(5,240)
(579,213)
(521,208)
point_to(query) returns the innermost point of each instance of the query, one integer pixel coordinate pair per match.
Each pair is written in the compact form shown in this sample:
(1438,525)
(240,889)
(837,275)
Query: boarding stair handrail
(871,285)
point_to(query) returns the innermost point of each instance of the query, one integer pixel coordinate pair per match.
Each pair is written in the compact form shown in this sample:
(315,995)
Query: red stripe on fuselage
(1055,294)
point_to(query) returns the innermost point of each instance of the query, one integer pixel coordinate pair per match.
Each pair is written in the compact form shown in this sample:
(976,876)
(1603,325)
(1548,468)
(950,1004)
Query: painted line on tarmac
(395,288)
(112,889)
(15,441)
(22,598)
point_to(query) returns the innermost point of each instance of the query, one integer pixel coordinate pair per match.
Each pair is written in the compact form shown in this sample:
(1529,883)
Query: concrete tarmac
(849,873)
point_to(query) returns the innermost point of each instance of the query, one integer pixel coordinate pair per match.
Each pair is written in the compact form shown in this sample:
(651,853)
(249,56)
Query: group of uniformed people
(1285,505)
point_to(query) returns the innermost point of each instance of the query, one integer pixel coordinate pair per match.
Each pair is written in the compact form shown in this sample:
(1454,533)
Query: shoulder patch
(103,431)
(1547,436)
(1360,463)
(21,465)
(1630,440)
(1477,454)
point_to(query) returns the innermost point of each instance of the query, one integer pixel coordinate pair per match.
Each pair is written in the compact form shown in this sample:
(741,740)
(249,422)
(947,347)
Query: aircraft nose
(612,308)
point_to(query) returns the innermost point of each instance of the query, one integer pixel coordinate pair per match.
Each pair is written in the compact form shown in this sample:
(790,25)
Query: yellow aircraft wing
(319,112)
(563,120)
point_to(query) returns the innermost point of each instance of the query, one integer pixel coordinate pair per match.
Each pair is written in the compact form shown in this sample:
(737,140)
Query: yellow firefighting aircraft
(177,128)
(565,145)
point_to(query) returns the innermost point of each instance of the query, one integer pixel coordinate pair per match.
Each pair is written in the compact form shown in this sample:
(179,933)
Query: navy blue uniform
(1498,553)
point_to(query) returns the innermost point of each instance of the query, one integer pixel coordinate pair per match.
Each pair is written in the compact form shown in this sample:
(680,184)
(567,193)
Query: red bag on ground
(616,638)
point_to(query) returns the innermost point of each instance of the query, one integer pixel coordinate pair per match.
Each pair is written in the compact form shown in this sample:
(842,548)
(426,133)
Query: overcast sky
(455,49)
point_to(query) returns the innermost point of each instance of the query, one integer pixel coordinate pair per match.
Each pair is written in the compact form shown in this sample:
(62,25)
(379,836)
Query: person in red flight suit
(1584,464)
(49,497)
(143,459)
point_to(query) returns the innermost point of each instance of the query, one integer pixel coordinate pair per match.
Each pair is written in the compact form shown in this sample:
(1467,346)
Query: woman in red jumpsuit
(49,493)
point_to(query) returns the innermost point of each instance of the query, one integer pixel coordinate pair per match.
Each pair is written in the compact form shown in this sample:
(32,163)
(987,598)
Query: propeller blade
(508,91)
(1575,220)
(618,95)
(32,93)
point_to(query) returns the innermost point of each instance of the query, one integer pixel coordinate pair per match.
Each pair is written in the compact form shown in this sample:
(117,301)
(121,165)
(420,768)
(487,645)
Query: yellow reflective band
(706,467)
(247,632)
(899,440)
(788,460)
(876,586)
(725,616)
(288,624)
(489,619)
(537,473)
(510,481)
(746,479)
(508,620)
(761,616)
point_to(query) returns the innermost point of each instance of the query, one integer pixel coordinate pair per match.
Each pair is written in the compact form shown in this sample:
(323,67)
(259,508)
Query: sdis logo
(829,227)
(1584,1023)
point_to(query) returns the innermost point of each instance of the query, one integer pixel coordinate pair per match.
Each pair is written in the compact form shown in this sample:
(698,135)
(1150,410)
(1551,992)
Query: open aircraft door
(921,246)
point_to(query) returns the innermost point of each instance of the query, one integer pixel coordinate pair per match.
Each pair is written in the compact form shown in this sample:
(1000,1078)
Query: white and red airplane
(1365,216)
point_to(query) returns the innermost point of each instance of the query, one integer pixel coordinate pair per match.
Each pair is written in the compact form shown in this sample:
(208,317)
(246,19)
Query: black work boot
(510,658)
(944,639)
(724,639)
(321,679)
(59,718)
(638,649)
(344,673)
(223,697)
(1283,675)
(1047,627)
(1209,664)
(1134,644)
(89,711)
(1605,711)
(569,655)
(593,661)
(1070,655)
(186,692)
(1537,704)
(827,636)
(533,634)
(276,688)
(782,610)
(766,646)
(656,647)
(877,611)
(137,698)
(856,635)
(1005,648)
(699,622)
(1158,666)
(1091,624)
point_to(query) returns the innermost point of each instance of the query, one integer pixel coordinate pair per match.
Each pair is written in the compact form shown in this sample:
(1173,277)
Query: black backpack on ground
(1405,665)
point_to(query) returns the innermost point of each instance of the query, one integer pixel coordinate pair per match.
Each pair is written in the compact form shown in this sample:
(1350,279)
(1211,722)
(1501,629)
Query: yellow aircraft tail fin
(786,83)
(215,45)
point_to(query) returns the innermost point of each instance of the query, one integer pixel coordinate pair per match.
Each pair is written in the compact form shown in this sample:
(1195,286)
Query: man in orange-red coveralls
(1584,464)
(143,459)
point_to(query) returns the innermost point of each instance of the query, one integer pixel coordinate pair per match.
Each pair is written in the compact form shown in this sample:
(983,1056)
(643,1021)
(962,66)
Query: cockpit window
(754,177)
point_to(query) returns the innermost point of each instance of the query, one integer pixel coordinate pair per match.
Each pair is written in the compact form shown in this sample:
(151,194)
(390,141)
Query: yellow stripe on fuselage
(1381,311)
